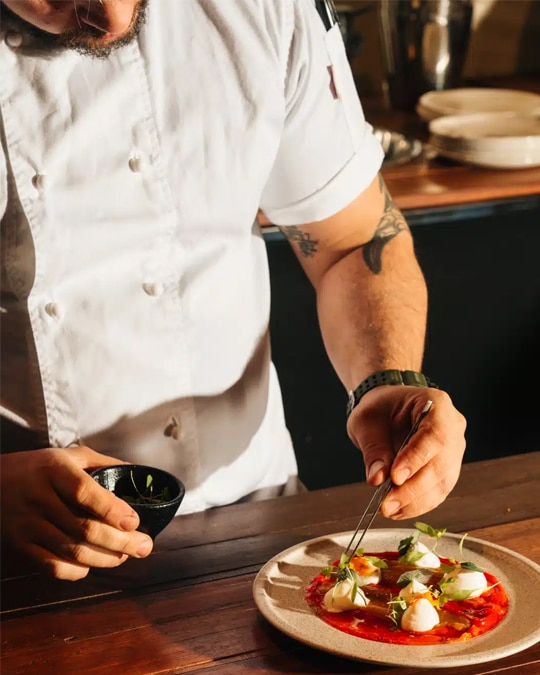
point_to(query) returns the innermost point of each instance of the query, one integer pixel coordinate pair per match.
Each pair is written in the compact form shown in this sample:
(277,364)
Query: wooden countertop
(188,607)
(434,182)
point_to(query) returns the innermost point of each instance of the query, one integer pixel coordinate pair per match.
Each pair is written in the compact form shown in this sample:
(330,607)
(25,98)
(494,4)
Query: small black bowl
(153,493)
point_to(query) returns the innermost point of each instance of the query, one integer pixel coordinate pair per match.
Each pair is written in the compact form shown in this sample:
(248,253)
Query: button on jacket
(135,290)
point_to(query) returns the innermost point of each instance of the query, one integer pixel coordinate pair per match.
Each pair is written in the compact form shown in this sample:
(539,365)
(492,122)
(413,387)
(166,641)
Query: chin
(53,33)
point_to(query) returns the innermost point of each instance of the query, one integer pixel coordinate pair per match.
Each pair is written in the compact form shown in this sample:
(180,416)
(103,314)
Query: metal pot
(425,44)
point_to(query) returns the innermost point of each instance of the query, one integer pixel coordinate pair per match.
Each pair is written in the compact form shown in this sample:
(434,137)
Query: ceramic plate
(494,140)
(280,586)
(488,160)
(492,127)
(476,100)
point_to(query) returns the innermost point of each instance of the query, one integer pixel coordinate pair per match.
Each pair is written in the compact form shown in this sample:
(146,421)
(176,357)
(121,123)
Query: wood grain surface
(188,608)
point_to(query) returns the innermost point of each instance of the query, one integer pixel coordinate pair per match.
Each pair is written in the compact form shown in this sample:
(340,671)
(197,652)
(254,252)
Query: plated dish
(409,595)
(280,594)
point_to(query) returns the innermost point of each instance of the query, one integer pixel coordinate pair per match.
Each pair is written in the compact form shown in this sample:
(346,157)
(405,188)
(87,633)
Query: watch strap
(411,378)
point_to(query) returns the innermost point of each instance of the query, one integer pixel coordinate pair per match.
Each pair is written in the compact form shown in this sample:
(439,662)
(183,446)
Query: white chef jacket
(135,287)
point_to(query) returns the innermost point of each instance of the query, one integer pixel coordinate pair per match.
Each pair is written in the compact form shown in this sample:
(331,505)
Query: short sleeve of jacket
(328,154)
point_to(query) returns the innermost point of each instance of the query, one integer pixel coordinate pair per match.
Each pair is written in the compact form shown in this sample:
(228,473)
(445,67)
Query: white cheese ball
(464,580)
(339,598)
(420,616)
(412,589)
(428,559)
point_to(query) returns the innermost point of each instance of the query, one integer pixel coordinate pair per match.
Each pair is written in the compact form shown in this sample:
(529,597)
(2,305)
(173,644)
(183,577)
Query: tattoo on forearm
(390,225)
(306,245)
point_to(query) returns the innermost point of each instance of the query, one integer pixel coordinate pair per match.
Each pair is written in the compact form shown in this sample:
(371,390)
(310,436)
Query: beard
(85,40)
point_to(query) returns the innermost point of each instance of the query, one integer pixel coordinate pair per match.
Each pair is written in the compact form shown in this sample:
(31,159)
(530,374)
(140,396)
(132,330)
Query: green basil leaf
(471,566)
(407,577)
(430,531)
(377,562)
(344,559)
(405,544)
(411,557)
(458,595)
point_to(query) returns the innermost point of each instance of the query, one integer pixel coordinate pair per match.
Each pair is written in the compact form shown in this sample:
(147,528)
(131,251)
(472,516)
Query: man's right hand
(57,515)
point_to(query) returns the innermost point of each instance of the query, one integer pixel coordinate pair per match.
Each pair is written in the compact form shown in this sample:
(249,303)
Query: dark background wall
(482,267)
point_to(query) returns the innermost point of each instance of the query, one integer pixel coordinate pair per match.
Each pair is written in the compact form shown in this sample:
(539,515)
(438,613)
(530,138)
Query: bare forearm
(372,308)
(372,303)
(371,294)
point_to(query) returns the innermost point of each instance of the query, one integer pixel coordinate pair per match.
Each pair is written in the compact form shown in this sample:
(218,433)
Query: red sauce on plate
(461,620)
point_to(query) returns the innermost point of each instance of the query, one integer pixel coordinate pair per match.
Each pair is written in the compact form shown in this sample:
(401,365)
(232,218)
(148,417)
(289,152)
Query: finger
(81,553)
(54,566)
(108,539)
(439,440)
(372,436)
(80,529)
(419,451)
(82,491)
(423,492)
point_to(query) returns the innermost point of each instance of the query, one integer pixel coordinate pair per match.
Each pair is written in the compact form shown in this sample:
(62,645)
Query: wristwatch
(412,378)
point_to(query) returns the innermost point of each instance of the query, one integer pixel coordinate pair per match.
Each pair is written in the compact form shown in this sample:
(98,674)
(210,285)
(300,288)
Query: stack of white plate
(494,140)
(467,101)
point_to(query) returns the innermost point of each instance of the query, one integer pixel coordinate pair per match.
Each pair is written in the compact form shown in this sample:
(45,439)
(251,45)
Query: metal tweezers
(381,492)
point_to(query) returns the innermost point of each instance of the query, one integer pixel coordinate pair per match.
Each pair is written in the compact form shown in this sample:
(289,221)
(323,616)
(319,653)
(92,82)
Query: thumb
(81,490)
